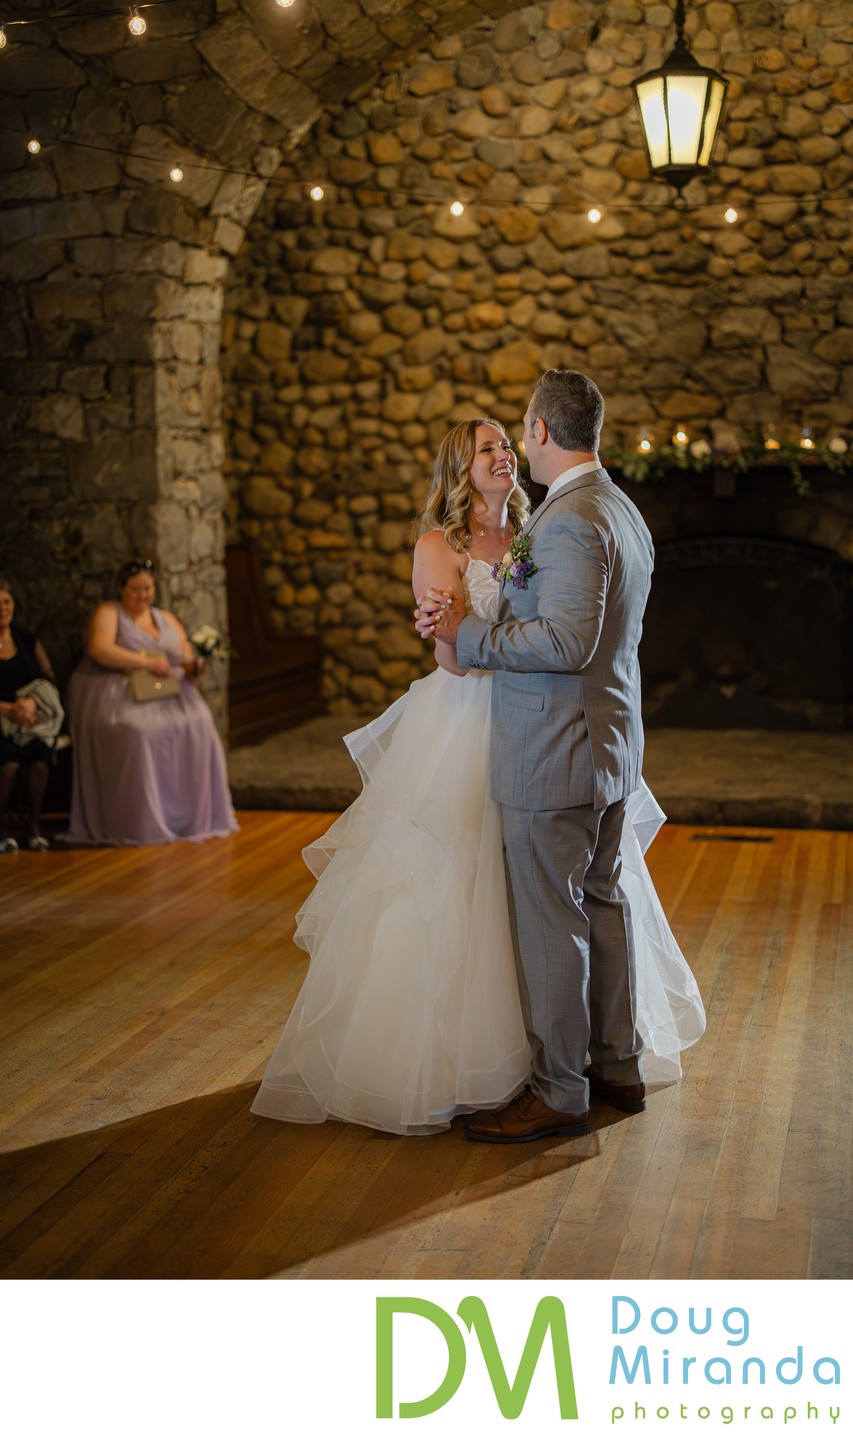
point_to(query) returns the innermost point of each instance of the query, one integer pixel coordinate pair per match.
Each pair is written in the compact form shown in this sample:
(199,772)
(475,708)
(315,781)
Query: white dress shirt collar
(575,472)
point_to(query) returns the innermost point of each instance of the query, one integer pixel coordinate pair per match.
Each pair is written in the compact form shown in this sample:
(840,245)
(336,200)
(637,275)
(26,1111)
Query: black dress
(21,669)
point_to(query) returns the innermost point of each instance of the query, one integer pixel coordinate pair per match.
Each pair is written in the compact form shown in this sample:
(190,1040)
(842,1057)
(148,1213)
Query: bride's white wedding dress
(409,1012)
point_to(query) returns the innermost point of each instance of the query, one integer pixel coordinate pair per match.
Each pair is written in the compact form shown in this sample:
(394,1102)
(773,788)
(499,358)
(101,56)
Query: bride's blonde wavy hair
(451,496)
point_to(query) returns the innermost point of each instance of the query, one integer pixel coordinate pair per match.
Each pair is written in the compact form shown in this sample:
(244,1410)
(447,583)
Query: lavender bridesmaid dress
(144,772)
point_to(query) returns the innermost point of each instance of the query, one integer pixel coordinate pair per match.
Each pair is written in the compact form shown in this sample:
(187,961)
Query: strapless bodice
(481,590)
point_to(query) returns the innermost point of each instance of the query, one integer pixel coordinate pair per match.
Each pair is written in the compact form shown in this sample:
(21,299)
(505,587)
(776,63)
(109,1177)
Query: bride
(409,1012)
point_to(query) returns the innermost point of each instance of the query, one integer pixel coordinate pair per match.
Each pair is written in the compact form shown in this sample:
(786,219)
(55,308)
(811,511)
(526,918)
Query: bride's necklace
(502,534)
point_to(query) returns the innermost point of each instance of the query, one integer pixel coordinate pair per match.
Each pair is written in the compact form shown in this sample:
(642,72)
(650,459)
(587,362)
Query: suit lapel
(595,476)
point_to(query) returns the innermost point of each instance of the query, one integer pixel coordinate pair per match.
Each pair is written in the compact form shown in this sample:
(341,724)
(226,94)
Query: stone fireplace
(747,633)
(750,618)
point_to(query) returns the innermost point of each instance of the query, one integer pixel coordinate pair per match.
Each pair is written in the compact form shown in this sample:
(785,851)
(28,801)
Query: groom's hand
(439,614)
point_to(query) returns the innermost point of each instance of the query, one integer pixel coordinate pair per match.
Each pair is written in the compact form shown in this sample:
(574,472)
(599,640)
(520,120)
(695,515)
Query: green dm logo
(510,1396)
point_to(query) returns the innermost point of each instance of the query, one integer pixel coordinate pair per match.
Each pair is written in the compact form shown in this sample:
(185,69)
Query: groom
(567,747)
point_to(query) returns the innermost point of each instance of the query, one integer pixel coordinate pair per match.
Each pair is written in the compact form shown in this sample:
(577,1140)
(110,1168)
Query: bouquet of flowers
(211,643)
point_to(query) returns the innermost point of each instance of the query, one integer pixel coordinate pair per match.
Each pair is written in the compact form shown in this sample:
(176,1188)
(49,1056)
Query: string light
(457,208)
(731,217)
(33,146)
(806,440)
(594,216)
(644,441)
(136,25)
(680,437)
(176,174)
(4,38)
(316,192)
(770,440)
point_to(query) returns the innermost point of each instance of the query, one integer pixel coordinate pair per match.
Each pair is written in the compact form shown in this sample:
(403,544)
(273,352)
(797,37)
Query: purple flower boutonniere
(516,566)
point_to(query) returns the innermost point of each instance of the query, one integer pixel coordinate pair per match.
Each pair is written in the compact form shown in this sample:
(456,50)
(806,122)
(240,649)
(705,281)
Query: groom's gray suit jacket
(566,725)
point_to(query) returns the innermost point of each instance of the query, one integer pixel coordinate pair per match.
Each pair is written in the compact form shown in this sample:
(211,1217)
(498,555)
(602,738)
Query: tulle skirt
(409,1013)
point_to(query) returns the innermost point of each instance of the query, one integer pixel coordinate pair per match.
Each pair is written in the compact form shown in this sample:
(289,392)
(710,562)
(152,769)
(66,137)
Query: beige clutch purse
(146,687)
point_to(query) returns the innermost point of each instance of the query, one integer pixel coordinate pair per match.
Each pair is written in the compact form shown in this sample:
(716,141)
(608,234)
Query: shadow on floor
(204,1189)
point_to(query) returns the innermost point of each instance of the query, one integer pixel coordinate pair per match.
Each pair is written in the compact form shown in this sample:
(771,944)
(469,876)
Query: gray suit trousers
(574,948)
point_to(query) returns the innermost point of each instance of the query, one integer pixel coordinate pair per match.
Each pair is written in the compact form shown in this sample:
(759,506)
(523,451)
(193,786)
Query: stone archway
(113,295)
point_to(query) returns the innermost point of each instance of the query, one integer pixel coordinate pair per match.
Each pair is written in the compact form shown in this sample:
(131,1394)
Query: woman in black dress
(22,659)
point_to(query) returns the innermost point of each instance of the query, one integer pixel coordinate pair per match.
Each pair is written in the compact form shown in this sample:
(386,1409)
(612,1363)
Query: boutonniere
(516,566)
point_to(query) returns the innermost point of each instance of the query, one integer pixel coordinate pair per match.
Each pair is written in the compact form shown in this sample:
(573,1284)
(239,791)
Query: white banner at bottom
(641,1359)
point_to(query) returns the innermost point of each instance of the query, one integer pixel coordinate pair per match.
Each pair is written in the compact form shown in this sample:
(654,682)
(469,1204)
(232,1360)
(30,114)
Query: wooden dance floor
(143,991)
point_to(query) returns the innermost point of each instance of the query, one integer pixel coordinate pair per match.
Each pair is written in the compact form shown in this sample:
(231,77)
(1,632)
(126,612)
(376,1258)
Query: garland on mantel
(700,457)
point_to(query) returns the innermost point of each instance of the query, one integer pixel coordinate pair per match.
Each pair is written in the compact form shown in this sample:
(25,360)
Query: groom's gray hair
(572,408)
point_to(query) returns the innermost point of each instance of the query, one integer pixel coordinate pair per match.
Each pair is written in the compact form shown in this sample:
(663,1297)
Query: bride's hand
(439,613)
(430,604)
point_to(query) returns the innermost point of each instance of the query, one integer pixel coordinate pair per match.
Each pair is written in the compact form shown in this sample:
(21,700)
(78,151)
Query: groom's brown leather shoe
(628,1097)
(523,1120)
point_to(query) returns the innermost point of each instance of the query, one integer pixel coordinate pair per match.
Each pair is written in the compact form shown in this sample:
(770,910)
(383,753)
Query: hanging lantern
(680,109)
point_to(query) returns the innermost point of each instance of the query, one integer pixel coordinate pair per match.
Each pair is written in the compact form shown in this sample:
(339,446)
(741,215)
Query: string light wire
(579,205)
(102,14)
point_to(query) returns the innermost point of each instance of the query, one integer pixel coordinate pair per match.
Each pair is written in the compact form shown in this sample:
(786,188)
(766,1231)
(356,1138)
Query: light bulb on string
(316,193)
(4,38)
(34,146)
(644,441)
(680,438)
(594,216)
(806,440)
(770,440)
(176,174)
(731,216)
(136,25)
(457,208)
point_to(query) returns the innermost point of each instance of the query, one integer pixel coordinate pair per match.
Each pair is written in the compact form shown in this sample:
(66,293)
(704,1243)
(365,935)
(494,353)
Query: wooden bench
(274,678)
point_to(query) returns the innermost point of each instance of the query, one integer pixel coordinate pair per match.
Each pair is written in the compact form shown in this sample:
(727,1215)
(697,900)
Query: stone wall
(110,429)
(114,433)
(357,329)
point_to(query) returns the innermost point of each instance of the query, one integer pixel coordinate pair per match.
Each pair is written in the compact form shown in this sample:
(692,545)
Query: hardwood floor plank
(830,1248)
(143,991)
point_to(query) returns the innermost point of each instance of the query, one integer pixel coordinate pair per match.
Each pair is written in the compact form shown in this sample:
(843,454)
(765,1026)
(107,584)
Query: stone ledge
(738,778)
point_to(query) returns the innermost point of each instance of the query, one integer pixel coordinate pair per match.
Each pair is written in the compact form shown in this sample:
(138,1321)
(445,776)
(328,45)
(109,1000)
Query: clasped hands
(161,668)
(439,614)
(24,713)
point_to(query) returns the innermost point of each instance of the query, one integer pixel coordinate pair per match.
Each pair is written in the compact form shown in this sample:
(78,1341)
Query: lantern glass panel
(650,97)
(686,104)
(712,119)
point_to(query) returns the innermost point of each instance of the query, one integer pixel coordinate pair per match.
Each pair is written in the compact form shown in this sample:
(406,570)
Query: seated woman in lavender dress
(143,772)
